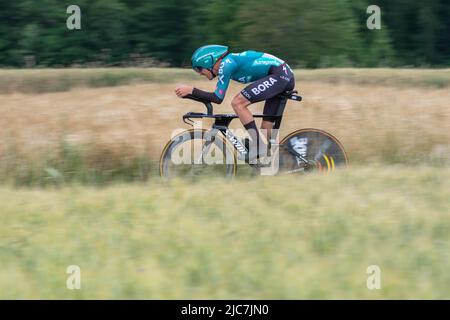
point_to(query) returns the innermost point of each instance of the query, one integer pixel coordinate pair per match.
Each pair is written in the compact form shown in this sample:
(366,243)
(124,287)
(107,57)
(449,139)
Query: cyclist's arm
(226,69)
(224,76)
(206,96)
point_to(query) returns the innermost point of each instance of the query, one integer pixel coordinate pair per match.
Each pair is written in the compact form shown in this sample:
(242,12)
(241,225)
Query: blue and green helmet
(206,57)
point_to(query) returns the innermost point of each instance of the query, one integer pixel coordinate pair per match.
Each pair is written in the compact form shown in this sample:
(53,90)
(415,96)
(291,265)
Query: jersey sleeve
(226,69)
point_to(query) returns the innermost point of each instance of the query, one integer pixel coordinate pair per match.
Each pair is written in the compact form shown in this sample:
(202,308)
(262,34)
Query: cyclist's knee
(239,102)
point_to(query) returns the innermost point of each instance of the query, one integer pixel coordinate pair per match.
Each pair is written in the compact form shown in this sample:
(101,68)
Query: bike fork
(210,136)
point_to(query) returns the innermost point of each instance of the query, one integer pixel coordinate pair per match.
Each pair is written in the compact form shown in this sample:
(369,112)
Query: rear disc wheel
(309,150)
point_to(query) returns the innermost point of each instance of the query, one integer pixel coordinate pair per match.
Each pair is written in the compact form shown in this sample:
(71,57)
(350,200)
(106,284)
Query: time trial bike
(215,151)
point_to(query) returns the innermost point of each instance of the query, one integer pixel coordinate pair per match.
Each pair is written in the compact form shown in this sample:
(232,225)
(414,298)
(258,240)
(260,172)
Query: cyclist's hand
(183,90)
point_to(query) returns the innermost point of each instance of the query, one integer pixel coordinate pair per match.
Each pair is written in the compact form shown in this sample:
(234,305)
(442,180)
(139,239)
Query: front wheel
(197,153)
(310,150)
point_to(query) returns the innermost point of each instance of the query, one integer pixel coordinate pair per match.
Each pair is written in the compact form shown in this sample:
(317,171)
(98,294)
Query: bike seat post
(277,123)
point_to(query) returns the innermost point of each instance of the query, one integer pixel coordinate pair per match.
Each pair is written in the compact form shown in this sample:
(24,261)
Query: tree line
(306,33)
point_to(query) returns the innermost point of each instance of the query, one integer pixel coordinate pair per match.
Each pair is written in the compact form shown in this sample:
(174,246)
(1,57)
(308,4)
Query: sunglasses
(198,69)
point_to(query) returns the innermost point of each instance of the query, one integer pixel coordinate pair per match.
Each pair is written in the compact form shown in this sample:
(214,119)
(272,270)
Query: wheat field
(112,126)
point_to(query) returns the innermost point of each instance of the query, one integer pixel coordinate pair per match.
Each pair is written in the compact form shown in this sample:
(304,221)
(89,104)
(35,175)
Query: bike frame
(222,121)
(278,149)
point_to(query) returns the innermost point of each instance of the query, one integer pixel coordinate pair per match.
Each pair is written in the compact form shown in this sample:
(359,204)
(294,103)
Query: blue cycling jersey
(244,67)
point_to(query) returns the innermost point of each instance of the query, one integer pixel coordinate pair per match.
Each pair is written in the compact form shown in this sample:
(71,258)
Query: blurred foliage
(307,33)
(309,238)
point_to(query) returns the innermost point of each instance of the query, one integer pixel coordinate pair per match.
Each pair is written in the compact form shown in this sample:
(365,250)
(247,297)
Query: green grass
(50,80)
(267,238)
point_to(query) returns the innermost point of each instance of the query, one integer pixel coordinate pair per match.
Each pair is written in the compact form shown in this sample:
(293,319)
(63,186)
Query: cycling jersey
(269,76)
(244,67)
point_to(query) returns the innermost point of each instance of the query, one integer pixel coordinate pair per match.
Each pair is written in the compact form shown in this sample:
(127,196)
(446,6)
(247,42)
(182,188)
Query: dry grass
(51,80)
(375,123)
(428,78)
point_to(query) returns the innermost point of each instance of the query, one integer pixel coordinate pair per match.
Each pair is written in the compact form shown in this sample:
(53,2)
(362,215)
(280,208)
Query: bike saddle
(291,95)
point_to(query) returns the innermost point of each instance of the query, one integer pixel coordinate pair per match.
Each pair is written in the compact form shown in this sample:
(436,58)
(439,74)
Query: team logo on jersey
(245,79)
(222,65)
(221,72)
(246,94)
(263,62)
(263,86)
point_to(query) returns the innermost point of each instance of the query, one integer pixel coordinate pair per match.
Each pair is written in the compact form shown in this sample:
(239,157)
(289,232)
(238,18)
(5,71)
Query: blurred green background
(307,33)
(287,238)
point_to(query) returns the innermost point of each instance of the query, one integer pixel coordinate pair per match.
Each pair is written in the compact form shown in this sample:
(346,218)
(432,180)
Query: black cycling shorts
(279,79)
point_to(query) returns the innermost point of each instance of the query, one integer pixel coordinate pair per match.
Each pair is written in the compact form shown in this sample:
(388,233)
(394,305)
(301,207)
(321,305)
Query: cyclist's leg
(280,79)
(271,109)
(260,90)
(240,106)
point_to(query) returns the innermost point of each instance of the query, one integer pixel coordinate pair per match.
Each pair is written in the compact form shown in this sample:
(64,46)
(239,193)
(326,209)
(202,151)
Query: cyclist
(268,76)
